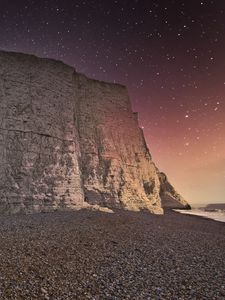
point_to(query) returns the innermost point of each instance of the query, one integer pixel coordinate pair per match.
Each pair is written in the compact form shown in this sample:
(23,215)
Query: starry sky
(169,53)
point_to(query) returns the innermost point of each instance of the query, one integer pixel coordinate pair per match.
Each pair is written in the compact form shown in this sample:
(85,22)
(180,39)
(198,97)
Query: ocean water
(217,215)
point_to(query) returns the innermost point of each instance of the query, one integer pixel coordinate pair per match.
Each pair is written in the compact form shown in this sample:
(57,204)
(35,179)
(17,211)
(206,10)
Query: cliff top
(34,58)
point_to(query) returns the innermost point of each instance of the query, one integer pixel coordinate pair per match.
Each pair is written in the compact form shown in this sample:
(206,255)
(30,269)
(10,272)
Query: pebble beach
(122,255)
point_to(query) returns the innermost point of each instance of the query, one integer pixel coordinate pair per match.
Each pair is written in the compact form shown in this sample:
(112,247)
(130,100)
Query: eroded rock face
(169,197)
(39,147)
(116,166)
(67,141)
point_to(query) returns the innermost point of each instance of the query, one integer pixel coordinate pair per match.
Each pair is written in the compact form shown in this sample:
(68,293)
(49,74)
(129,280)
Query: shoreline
(182,212)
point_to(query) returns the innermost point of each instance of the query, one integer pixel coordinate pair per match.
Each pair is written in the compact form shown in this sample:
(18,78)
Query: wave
(216,214)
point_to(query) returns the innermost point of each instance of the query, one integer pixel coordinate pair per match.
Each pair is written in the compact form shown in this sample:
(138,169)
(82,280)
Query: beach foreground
(96,255)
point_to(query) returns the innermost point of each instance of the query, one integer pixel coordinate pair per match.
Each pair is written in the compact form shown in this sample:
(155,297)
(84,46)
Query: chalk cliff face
(39,147)
(67,141)
(116,167)
(169,197)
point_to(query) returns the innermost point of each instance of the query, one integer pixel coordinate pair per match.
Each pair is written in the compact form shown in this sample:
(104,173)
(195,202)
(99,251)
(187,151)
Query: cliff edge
(169,196)
(68,141)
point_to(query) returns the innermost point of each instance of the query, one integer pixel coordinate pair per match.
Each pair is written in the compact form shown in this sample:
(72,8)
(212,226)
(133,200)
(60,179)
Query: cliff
(169,197)
(67,141)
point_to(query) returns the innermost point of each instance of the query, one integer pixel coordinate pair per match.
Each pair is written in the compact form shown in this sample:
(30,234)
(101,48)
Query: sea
(216,214)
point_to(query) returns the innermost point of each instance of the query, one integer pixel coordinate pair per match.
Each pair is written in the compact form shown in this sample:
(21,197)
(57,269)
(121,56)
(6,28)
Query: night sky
(170,55)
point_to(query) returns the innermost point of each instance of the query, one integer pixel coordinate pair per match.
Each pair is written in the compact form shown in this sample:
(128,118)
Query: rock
(215,207)
(169,197)
(115,163)
(67,142)
(44,291)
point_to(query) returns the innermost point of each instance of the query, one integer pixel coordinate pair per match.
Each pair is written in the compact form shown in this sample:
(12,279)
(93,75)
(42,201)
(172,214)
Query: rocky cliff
(169,196)
(67,141)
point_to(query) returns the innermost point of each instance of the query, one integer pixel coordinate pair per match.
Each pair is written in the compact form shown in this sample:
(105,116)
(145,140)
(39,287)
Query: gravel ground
(125,255)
